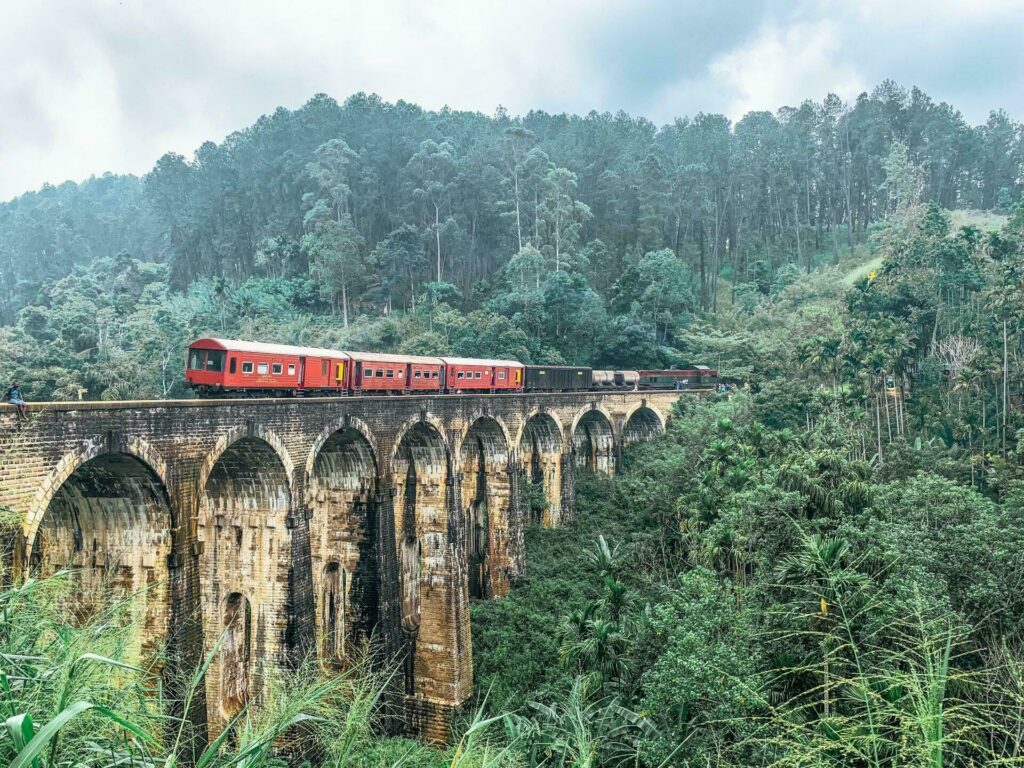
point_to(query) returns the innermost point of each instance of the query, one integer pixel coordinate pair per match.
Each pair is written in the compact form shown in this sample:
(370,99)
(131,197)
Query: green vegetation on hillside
(820,571)
(592,239)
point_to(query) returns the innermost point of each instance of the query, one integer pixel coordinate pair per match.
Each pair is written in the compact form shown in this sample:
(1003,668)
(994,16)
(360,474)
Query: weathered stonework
(285,527)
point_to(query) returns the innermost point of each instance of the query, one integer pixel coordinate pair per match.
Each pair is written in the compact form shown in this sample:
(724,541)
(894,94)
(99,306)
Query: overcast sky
(90,86)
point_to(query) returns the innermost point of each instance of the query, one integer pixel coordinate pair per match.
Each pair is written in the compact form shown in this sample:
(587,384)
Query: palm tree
(818,569)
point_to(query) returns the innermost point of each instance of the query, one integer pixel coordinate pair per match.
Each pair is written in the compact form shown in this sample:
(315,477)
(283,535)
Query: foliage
(593,239)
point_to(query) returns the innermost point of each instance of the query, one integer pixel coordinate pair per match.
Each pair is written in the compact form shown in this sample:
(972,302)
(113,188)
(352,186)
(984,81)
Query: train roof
(475,361)
(384,357)
(259,347)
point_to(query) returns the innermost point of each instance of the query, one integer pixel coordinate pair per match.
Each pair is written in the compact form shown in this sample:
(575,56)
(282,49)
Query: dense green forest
(591,239)
(820,570)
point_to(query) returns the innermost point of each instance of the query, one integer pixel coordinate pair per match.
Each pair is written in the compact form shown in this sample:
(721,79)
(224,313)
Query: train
(229,367)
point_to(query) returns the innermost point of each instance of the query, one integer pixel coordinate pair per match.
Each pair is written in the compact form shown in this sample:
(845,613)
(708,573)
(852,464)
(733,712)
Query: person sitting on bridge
(13,396)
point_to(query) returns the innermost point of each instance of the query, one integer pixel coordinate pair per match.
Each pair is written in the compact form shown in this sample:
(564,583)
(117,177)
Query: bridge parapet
(291,526)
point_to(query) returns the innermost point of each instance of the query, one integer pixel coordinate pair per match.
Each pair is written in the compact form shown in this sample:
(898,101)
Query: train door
(302,372)
(357,376)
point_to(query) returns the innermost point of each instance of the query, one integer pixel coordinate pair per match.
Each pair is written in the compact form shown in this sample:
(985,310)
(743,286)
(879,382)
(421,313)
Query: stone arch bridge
(283,526)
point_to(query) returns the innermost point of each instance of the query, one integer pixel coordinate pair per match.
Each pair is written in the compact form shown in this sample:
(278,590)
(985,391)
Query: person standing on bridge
(13,396)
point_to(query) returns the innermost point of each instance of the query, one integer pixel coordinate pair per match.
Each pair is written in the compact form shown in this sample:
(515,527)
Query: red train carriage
(378,372)
(225,365)
(465,374)
(426,374)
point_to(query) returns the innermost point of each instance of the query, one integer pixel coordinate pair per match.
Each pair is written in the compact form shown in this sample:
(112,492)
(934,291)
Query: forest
(545,238)
(821,569)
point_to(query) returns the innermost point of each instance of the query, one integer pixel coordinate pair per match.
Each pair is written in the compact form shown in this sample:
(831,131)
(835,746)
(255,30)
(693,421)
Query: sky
(96,86)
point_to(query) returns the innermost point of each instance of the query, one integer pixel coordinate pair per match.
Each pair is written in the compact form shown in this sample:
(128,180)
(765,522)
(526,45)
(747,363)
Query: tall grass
(907,694)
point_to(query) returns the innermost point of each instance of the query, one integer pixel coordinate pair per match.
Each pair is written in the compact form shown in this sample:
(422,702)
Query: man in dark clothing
(13,396)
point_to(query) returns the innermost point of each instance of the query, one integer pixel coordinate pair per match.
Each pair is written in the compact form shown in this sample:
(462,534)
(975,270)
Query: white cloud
(784,67)
(107,85)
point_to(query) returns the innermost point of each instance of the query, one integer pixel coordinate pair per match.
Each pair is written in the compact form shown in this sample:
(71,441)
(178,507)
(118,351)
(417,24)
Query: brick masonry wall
(258,498)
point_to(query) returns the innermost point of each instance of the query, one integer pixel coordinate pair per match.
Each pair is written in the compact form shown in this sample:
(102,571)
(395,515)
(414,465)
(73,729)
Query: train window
(215,360)
(368,373)
(196,360)
(391,374)
(262,368)
(478,374)
(278,369)
(291,369)
(418,375)
(501,374)
(234,364)
(460,374)
(246,367)
(401,373)
(380,373)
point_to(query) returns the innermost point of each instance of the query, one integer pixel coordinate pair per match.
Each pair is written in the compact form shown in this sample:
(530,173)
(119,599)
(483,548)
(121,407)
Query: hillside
(594,239)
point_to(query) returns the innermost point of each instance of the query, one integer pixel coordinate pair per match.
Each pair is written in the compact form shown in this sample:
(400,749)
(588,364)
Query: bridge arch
(340,489)
(338,425)
(423,420)
(486,502)
(245,561)
(590,412)
(642,423)
(72,460)
(540,446)
(593,441)
(487,425)
(234,435)
(106,513)
(543,422)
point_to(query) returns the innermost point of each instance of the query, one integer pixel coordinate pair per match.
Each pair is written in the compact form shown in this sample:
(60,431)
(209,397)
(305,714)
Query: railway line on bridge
(307,524)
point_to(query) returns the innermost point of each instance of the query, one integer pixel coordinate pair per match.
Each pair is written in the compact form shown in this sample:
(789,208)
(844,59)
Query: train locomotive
(228,367)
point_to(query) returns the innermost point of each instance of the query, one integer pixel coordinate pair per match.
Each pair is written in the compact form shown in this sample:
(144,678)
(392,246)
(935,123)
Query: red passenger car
(218,366)
(378,372)
(469,374)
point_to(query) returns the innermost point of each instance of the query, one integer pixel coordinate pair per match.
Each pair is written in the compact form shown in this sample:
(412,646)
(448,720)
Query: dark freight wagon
(557,378)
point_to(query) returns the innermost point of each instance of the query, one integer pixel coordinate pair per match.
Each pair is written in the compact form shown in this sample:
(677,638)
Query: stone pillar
(516,523)
(300,635)
(486,484)
(185,640)
(567,471)
(388,628)
(431,552)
